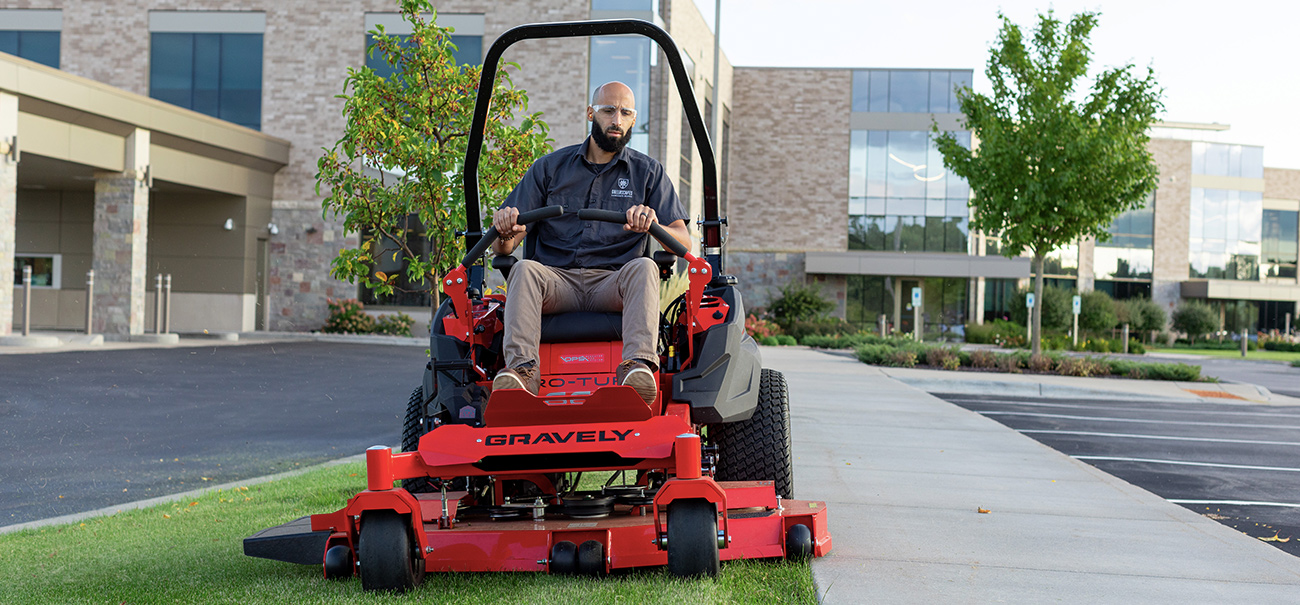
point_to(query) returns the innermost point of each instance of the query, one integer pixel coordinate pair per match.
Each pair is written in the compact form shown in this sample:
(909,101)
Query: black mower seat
(582,326)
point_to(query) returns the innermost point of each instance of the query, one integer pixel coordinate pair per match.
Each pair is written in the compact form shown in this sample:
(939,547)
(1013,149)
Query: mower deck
(476,542)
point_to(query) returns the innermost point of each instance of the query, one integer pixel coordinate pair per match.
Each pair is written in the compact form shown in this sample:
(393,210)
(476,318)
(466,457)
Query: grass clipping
(192,552)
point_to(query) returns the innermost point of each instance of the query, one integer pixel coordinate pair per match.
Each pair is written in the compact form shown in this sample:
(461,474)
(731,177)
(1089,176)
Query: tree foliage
(1053,167)
(1195,318)
(798,302)
(1096,312)
(402,154)
(1055,304)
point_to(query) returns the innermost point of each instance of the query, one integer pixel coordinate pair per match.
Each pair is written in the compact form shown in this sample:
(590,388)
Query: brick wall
(1172,219)
(790,159)
(1281,184)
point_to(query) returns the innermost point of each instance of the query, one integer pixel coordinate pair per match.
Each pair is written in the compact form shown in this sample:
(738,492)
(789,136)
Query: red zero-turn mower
(489,481)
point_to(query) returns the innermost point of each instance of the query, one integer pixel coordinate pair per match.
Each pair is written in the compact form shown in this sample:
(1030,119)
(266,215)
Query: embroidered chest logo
(622,190)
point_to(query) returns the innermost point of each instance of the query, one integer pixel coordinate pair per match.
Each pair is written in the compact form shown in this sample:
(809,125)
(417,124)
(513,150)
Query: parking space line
(1185,463)
(1136,420)
(1124,409)
(1234,503)
(1160,437)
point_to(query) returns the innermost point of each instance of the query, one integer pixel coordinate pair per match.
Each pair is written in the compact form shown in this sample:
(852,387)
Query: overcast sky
(1235,63)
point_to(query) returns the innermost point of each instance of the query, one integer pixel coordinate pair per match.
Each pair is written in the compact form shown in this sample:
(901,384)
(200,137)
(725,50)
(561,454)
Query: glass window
(1281,231)
(1198,157)
(1252,162)
(875,205)
(877,162)
(940,92)
(45,269)
(934,233)
(934,174)
(1216,159)
(909,91)
(39,46)
(858,163)
(869,297)
(879,91)
(907,153)
(910,234)
(626,59)
(958,79)
(956,236)
(216,74)
(861,90)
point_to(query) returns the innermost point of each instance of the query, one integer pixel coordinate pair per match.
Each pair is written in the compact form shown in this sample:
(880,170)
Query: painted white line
(1135,408)
(1137,420)
(1250,467)
(1160,437)
(1235,503)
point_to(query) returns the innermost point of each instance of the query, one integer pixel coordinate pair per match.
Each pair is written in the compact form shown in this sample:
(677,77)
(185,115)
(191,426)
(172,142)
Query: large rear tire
(692,538)
(387,553)
(759,449)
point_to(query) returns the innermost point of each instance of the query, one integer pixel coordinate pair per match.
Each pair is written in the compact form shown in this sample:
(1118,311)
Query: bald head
(613,93)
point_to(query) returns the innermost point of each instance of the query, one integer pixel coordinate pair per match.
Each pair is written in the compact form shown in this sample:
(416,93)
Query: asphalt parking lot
(80,431)
(1236,464)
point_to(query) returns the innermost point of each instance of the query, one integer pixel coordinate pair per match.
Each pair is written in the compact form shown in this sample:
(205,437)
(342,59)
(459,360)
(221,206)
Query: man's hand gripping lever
(456,283)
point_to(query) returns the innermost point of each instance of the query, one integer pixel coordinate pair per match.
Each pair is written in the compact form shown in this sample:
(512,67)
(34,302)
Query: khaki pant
(534,289)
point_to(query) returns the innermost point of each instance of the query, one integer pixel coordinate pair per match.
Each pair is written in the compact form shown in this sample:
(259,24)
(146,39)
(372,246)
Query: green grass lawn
(1263,355)
(192,552)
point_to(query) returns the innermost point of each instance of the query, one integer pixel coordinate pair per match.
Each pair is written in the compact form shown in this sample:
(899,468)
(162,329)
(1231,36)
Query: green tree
(402,154)
(1052,168)
(1054,304)
(1195,318)
(1096,311)
(798,302)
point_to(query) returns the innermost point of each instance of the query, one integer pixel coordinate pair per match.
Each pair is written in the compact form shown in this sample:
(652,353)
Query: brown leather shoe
(522,377)
(636,374)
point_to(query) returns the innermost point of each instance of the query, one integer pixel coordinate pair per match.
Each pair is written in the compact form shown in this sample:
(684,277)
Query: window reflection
(908,90)
(1225,232)
(39,46)
(911,202)
(1218,159)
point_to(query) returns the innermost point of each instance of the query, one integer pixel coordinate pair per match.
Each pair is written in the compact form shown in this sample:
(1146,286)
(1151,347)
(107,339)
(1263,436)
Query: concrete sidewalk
(905,475)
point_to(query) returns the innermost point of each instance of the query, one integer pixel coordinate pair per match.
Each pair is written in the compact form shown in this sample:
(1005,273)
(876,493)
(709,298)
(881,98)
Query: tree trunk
(1036,314)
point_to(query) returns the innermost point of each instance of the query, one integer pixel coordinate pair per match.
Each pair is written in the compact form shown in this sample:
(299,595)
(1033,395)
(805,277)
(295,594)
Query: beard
(606,142)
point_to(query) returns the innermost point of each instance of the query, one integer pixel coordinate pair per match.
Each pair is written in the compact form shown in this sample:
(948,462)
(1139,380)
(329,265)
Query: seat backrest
(582,326)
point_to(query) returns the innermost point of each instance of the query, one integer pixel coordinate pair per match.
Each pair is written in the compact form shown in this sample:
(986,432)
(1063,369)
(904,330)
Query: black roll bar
(712,229)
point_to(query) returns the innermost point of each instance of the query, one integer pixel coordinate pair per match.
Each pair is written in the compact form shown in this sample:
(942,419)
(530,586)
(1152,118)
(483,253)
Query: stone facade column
(1086,281)
(8,209)
(121,239)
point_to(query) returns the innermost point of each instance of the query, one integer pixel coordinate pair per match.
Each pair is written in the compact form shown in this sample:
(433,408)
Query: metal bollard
(1125,339)
(167,304)
(881,320)
(157,304)
(27,300)
(1243,342)
(90,298)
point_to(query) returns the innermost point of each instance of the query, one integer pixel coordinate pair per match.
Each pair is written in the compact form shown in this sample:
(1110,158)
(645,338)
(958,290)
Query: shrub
(1153,316)
(873,354)
(983,359)
(841,341)
(1280,345)
(396,324)
(1096,345)
(798,302)
(999,332)
(1058,311)
(941,357)
(902,358)
(758,328)
(1040,363)
(1172,371)
(786,340)
(1135,347)
(1195,318)
(348,316)
(1009,363)
(1296,363)
(1096,311)
(1081,366)
(822,326)
(770,341)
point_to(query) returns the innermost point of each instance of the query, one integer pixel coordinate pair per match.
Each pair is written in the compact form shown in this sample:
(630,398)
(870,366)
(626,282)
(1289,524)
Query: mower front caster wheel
(338,563)
(591,559)
(387,553)
(798,542)
(692,538)
(564,558)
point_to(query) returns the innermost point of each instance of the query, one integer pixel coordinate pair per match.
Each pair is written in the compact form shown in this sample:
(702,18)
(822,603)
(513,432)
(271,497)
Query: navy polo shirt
(566,178)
